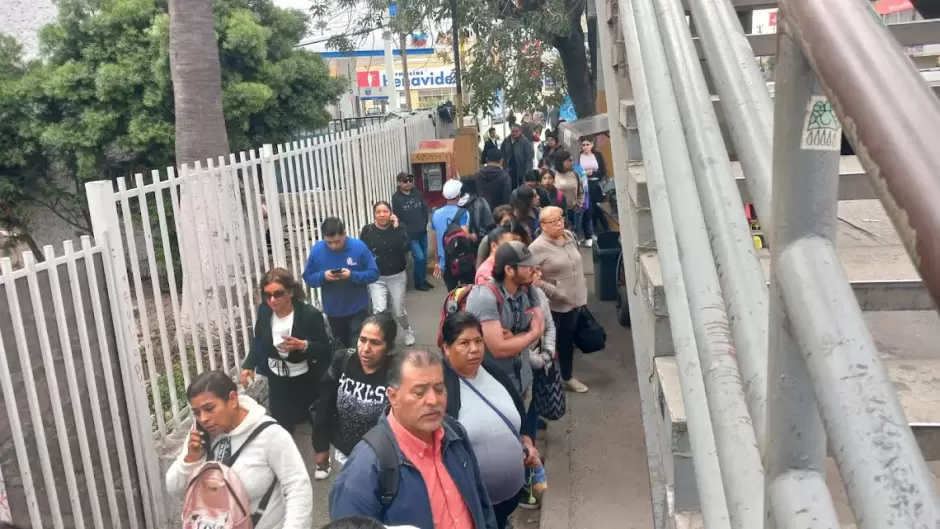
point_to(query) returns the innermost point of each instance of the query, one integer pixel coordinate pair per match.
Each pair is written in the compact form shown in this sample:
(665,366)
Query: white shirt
(280,329)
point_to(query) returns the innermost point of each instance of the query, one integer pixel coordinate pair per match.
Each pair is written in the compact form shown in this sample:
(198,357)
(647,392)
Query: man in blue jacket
(411,467)
(341,267)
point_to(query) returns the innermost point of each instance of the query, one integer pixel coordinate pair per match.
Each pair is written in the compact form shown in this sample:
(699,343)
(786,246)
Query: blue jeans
(419,253)
(574,219)
(587,223)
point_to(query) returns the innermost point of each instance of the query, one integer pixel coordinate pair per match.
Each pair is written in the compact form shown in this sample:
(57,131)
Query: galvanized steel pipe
(800,499)
(711,493)
(743,284)
(744,96)
(887,111)
(806,201)
(887,480)
(735,438)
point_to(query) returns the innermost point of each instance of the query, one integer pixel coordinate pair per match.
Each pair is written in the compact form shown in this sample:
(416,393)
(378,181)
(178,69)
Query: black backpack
(381,440)
(459,252)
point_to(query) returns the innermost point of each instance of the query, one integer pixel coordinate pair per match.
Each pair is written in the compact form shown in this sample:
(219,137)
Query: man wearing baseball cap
(409,206)
(518,312)
(441,221)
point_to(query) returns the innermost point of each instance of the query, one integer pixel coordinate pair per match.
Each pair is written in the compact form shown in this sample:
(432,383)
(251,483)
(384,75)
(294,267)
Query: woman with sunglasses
(291,348)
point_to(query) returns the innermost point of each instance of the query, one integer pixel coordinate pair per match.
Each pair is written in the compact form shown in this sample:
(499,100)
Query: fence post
(806,194)
(272,200)
(106,228)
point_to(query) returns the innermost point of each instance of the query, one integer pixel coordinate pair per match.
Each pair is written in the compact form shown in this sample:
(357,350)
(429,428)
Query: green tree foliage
(512,45)
(99,102)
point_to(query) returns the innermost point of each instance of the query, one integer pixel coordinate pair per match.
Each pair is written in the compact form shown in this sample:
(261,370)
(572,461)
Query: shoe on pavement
(429,285)
(423,288)
(576,386)
(409,337)
(587,243)
(322,473)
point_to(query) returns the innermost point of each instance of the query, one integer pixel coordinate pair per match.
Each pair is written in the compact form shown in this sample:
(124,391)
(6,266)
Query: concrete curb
(556,502)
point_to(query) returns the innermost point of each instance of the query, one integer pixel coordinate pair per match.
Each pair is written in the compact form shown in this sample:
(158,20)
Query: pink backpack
(215,497)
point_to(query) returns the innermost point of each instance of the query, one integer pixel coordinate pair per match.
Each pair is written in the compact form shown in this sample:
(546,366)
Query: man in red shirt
(438,483)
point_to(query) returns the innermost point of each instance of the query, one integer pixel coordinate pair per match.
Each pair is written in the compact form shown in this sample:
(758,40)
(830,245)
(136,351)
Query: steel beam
(917,33)
(735,438)
(749,109)
(742,280)
(805,191)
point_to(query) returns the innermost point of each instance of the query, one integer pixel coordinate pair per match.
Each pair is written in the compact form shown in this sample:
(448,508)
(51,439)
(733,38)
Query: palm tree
(200,136)
(197,82)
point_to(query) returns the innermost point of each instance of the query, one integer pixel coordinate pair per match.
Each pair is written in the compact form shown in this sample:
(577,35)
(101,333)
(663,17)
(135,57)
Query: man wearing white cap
(446,224)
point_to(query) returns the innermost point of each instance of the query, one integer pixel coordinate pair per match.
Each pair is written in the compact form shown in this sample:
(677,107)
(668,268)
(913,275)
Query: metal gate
(67,458)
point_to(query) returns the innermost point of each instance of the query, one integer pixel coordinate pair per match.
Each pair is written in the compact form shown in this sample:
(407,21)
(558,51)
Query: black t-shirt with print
(360,401)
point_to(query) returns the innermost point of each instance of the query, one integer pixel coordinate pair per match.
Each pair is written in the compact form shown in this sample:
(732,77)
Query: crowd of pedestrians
(418,437)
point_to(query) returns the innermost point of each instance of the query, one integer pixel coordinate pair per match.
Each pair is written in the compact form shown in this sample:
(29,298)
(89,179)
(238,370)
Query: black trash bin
(606,256)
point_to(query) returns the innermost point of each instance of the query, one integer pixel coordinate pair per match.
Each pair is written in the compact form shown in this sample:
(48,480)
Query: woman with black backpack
(291,348)
(353,392)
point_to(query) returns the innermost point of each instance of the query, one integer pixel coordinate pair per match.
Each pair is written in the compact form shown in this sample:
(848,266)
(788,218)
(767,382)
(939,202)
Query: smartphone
(205,437)
(336,271)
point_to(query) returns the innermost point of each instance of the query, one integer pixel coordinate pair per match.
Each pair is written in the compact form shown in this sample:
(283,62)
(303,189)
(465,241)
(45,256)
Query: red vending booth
(432,164)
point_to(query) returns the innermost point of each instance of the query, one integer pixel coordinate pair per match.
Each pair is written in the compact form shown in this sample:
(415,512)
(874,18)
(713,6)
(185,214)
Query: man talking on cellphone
(342,267)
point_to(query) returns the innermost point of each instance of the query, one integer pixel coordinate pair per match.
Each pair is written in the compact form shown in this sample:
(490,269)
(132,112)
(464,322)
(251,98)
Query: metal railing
(67,460)
(806,333)
(190,245)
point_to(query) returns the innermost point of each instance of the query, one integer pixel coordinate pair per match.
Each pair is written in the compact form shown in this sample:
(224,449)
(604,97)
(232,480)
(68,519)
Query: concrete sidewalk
(595,456)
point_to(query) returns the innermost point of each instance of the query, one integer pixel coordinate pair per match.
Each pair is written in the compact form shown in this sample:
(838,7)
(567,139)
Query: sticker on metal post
(821,128)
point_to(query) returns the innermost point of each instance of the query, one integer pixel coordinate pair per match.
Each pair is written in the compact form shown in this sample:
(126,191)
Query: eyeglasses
(550,222)
(277,294)
(406,180)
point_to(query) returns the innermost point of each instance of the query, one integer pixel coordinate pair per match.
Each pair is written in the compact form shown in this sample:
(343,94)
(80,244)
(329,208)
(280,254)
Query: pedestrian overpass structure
(756,367)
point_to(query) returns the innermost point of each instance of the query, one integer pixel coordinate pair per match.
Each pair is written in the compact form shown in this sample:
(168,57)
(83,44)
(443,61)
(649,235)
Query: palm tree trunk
(406,80)
(197,82)
(208,240)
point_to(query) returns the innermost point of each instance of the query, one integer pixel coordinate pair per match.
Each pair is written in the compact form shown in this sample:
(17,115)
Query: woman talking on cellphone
(267,463)
(291,347)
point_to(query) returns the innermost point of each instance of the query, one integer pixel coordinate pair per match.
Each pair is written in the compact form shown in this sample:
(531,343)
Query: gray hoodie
(271,454)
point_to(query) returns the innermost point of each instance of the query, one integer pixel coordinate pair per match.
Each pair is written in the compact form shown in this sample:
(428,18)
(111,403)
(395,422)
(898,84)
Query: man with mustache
(416,467)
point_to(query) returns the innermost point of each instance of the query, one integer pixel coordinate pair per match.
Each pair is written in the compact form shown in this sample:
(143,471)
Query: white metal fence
(66,460)
(190,246)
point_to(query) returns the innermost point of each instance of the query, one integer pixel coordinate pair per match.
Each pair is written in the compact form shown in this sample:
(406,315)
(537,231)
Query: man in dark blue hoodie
(341,267)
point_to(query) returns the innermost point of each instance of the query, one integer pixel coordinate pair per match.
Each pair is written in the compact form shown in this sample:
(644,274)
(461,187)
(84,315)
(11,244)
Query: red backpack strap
(558,196)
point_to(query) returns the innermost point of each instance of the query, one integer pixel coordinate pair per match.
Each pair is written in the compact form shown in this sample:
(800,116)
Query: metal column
(741,471)
(742,279)
(806,196)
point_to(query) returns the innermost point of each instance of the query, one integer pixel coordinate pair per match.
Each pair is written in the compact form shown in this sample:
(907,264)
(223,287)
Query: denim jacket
(357,489)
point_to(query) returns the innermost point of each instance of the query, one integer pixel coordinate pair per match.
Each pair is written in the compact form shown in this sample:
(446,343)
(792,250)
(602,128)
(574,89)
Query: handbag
(589,334)
(548,393)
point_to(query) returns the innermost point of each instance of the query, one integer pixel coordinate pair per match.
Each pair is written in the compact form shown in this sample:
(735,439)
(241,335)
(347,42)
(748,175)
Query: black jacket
(494,185)
(411,211)
(595,193)
(309,325)
(390,247)
(490,143)
(452,384)
(519,157)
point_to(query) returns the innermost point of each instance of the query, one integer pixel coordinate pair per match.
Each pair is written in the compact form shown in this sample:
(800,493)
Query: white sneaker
(575,386)
(321,474)
(409,337)
(587,243)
